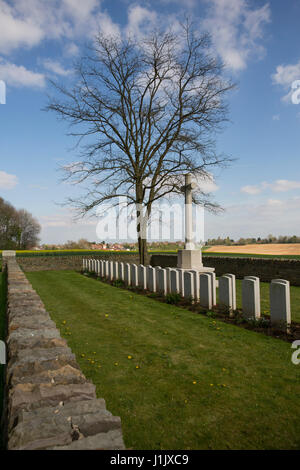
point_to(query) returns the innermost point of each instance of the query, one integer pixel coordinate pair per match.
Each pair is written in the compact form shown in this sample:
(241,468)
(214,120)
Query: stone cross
(187,189)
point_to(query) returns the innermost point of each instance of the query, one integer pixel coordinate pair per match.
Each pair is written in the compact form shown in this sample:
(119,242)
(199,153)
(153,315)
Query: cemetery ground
(178,380)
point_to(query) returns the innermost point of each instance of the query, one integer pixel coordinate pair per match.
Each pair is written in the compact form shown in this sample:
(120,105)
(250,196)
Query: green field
(177,379)
(77,252)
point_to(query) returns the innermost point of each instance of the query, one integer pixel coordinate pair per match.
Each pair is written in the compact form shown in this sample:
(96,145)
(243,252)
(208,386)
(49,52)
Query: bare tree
(27,231)
(149,110)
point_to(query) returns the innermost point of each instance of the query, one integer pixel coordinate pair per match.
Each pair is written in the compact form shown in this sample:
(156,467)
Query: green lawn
(177,379)
(2,337)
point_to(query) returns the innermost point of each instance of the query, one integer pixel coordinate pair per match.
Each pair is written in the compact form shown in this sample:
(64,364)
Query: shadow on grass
(219,312)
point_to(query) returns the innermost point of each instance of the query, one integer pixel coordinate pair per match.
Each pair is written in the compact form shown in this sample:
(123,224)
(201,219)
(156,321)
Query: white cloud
(71,49)
(249,220)
(277,186)
(140,20)
(7,181)
(236,30)
(285,76)
(60,227)
(17,31)
(107,26)
(28,22)
(251,189)
(283,185)
(18,75)
(56,67)
(187,3)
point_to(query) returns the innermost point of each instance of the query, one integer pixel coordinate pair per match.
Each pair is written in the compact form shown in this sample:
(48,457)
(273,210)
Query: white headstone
(213,288)
(134,275)
(174,281)
(127,274)
(233,289)
(169,278)
(181,281)
(121,271)
(151,278)
(196,279)
(116,270)
(206,297)
(142,276)
(251,297)
(162,281)
(98,267)
(106,266)
(188,285)
(280,304)
(101,268)
(110,270)
(227,294)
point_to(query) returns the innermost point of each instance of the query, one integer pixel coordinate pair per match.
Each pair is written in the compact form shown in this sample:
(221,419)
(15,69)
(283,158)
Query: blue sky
(257,40)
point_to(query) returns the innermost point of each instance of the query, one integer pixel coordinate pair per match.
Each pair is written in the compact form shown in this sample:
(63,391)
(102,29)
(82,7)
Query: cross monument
(190,258)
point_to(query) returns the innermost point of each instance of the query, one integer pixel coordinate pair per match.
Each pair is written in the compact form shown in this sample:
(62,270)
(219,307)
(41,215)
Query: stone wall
(55,262)
(49,402)
(264,268)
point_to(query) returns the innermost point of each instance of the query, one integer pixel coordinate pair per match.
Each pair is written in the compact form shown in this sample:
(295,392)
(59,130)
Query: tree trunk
(142,234)
(143,252)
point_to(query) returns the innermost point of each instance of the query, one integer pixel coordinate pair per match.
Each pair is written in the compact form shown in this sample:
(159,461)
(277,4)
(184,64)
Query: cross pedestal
(189,258)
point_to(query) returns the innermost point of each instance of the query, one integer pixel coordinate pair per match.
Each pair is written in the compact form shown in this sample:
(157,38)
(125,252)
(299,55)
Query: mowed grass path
(178,380)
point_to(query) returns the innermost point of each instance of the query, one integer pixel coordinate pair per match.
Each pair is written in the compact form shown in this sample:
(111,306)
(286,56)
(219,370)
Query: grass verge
(2,338)
(178,380)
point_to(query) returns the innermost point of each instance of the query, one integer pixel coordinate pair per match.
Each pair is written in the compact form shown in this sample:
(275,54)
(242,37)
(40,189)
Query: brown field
(268,249)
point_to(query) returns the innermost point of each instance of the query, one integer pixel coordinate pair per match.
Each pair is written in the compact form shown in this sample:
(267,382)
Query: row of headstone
(280,304)
(200,287)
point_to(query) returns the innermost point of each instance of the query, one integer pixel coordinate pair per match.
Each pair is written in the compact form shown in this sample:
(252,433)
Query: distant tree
(18,228)
(8,225)
(27,230)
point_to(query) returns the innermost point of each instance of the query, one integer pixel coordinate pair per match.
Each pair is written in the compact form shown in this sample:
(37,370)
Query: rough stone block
(111,440)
